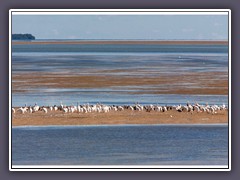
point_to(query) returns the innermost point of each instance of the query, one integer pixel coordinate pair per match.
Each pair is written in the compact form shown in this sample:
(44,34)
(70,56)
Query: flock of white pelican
(101,108)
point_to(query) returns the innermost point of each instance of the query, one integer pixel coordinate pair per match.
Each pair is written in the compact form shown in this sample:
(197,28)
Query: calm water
(116,60)
(121,145)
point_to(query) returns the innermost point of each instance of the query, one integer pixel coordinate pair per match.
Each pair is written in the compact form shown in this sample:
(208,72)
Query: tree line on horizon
(23,37)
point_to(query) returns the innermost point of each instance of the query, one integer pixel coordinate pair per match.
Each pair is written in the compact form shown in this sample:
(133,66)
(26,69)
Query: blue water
(121,145)
(120,48)
(148,62)
(112,98)
(116,60)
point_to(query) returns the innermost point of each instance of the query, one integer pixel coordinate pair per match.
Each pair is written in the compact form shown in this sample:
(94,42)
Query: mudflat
(188,83)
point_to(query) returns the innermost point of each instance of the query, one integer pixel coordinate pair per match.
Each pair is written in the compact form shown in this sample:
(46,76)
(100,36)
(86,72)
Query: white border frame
(119,12)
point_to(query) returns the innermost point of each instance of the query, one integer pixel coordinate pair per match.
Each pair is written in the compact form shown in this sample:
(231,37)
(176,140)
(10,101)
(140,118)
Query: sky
(153,27)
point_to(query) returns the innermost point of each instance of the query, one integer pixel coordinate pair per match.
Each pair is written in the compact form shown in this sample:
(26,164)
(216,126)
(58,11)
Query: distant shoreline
(147,42)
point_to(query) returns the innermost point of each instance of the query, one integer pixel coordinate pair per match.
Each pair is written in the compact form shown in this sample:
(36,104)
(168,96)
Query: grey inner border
(6,5)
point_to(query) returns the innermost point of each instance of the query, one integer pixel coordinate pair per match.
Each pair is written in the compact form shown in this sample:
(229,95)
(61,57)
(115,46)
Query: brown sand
(119,117)
(191,83)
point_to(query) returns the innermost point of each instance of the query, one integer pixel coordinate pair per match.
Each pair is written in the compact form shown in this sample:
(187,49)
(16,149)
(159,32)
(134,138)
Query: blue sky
(164,27)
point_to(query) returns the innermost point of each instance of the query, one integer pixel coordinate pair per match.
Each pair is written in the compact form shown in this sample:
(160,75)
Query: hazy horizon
(122,27)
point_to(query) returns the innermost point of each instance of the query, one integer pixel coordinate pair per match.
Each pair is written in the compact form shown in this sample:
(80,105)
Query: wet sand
(119,117)
(188,83)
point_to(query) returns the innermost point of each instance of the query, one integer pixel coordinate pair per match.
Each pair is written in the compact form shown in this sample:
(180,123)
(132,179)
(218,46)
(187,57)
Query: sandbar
(118,118)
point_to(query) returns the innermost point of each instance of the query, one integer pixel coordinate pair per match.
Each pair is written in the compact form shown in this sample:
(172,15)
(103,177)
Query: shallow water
(112,98)
(121,145)
(116,60)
